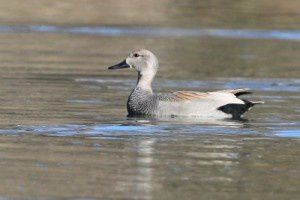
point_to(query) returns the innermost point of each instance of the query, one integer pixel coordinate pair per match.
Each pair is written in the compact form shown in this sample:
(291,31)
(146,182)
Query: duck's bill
(121,65)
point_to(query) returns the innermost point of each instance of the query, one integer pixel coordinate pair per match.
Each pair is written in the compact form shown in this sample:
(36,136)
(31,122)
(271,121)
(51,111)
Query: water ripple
(116,31)
(271,84)
(125,130)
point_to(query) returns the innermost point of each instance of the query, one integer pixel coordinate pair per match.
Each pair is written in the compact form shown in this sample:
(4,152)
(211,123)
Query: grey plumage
(142,100)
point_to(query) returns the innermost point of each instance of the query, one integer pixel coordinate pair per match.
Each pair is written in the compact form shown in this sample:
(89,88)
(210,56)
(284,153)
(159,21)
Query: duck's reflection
(145,171)
(187,121)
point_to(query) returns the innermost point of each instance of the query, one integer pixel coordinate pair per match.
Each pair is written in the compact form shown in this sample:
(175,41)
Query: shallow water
(64,133)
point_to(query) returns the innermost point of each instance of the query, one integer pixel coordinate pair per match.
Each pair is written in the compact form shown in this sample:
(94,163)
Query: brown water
(64,133)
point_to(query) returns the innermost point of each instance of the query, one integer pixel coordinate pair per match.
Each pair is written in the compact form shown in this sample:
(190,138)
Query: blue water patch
(286,85)
(171,128)
(174,128)
(116,31)
(65,130)
(272,84)
(289,133)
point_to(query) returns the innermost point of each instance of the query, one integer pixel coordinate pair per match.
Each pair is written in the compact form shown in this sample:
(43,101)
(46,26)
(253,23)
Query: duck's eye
(136,55)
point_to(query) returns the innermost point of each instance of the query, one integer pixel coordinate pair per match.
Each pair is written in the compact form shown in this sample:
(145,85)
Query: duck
(142,101)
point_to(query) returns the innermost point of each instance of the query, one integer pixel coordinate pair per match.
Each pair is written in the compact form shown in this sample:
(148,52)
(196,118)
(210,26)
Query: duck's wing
(227,101)
(188,95)
(193,95)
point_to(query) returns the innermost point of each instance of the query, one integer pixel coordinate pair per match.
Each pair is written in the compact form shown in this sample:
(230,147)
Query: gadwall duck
(143,102)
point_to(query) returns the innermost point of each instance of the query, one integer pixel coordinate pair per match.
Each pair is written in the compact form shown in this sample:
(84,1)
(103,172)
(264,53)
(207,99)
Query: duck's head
(143,61)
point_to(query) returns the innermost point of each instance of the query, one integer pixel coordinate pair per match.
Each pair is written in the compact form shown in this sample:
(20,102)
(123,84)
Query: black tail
(237,110)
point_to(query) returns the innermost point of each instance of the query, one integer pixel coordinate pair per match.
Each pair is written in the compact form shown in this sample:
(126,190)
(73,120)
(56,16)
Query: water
(64,133)
(114,31)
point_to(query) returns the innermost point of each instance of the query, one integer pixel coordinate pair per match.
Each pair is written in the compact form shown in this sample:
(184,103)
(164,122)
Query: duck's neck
(144,82)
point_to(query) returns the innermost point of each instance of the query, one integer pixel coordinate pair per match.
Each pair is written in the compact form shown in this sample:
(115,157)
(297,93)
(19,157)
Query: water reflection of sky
(175,128)
(116,31)
(288,85)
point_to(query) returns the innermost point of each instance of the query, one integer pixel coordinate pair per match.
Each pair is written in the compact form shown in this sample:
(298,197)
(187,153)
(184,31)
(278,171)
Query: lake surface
(64,133)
